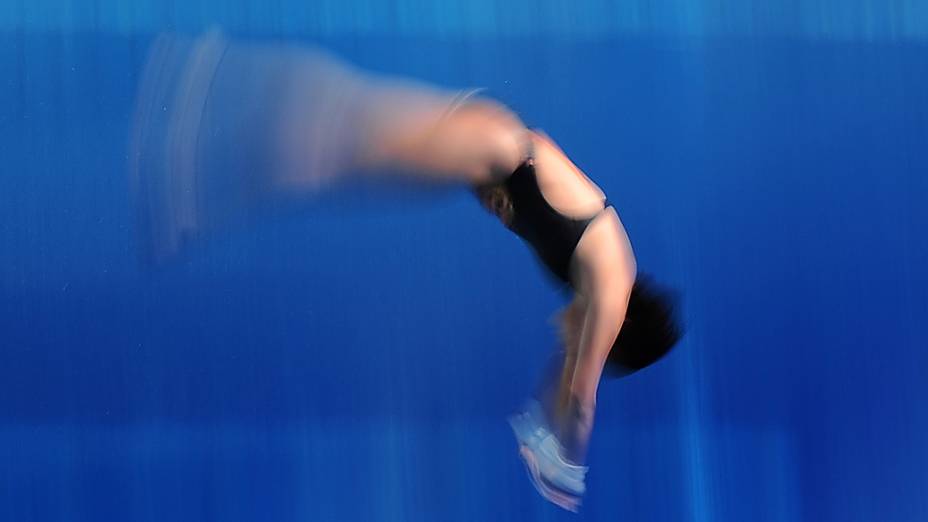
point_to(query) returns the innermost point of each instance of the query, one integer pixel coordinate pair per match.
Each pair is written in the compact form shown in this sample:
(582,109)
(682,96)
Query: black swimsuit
(552,235)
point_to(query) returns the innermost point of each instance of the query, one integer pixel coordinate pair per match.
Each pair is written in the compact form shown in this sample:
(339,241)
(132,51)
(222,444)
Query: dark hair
(650,330)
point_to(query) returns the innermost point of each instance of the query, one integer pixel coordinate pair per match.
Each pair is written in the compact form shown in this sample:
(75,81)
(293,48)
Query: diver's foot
(163,156)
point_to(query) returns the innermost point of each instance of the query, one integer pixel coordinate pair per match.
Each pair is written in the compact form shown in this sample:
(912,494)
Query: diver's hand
(557,480)
(546,489)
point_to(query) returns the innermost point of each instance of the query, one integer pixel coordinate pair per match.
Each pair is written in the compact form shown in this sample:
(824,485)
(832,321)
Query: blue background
(355,360)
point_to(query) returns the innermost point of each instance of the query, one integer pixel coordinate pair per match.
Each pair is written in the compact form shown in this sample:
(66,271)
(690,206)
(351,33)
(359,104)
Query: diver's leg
(221,126)
(472,142)
(390,125)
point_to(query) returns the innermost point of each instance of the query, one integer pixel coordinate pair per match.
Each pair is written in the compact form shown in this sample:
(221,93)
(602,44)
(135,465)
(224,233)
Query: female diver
(222,127)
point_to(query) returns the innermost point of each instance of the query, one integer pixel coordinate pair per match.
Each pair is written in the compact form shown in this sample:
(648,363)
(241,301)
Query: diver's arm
(610,269)
(569,323)
(601,327)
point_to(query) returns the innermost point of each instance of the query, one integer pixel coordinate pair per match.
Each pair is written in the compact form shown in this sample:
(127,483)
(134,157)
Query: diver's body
(536,191)
(322,120)
(528,182)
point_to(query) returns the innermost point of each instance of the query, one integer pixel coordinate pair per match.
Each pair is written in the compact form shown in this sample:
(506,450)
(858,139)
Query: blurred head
(650,330)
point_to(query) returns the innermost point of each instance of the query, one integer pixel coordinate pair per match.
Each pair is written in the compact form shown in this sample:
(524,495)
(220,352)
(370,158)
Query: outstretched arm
(609,267)
(604,316)
(589,327)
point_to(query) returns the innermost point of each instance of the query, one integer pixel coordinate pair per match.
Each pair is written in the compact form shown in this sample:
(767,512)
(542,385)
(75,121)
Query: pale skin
(328,121)
(476,144)
(480,142)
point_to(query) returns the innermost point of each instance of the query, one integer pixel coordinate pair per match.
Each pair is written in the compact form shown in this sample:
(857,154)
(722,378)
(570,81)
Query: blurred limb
(555,479)
(588,327)
(575,404)
(470,140)
(602,321)
(223,127)
(567,396)
(552,476)
(538,427)
(542,469)
(553,393)
(384,125)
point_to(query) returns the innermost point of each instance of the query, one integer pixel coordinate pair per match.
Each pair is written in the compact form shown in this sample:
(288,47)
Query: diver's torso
(551,231)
